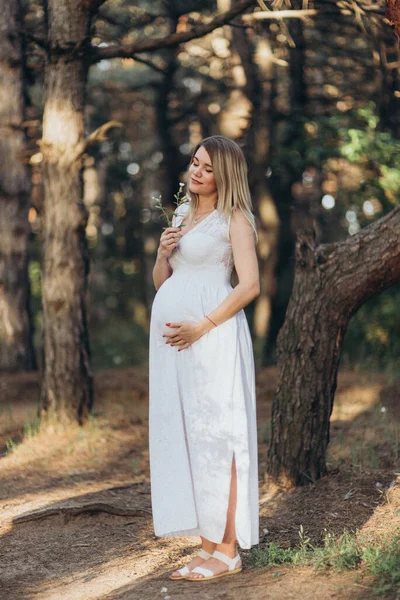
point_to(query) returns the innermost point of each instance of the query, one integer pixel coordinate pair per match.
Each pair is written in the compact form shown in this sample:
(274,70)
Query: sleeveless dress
(202,408)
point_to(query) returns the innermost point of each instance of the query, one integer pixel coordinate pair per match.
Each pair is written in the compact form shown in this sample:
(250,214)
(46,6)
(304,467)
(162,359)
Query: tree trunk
(331,282)
(282,179)
(260,82)
(256,82)
(16,325)
(67,391)
(171,164)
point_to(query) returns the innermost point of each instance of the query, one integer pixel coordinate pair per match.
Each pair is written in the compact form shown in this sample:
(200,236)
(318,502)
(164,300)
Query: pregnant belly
(176,301)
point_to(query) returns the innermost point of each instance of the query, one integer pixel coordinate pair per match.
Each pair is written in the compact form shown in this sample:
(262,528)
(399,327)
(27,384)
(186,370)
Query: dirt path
(98,555)
(76,513)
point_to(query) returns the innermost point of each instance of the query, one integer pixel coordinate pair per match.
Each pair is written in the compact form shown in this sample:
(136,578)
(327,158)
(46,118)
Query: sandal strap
(202,553)
(202,571)
(231,562)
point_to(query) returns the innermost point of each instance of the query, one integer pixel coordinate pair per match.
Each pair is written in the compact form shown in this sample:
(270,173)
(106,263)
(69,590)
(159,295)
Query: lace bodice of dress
(207,244)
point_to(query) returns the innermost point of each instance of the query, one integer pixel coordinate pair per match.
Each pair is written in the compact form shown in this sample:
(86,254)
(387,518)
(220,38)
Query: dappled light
(106,463)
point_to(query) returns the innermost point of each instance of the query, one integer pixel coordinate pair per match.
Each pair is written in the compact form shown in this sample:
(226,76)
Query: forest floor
(76,514)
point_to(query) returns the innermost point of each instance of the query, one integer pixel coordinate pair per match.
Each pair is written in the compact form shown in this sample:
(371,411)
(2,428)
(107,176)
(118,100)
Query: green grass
(384,564)
(271,555)
(30,429)
(342,553)
(11,445)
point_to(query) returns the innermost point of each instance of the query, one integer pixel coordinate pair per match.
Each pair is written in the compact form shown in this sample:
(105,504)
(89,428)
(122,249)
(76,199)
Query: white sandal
(231,562)
(184,570)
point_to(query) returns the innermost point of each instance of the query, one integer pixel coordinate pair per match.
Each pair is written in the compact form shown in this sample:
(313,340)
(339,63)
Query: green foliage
(384,563)
(11,445)
(373,335)
(342,553)
(31,427)
(376,152)
(118,316)
(271,555)
(118,343)
(364,141)
(35,278)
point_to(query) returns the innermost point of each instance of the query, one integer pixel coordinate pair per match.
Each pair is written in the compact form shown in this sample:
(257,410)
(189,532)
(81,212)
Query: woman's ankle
(229,549)
(208,546)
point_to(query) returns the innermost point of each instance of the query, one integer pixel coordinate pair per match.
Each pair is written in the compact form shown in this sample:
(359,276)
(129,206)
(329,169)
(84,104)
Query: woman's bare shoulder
(238,221)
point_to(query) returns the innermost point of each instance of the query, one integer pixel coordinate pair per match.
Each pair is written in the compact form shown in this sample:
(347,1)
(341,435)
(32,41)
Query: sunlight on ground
(98,555)
(59,452)
(108,576)
(92,584)
(355,401)
(385,518)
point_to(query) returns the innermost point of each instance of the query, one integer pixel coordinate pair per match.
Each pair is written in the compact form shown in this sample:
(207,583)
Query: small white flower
(383,409)
(265,531)
(164,590)
(181,184)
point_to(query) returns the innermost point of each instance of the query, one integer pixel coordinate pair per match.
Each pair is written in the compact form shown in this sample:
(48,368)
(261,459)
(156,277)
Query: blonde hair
(230,173)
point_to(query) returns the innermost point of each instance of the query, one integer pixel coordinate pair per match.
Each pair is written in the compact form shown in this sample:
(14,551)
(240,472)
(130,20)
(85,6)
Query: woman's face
(201,176)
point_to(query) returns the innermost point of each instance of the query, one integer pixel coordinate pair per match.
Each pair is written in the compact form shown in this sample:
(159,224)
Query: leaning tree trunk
(331,282)
(67,390)
(16,326)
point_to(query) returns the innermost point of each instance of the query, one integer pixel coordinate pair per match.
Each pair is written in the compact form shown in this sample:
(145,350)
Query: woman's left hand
(184,333)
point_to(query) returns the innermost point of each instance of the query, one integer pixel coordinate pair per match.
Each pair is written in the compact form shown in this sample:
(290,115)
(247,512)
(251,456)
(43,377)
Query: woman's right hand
(168,241)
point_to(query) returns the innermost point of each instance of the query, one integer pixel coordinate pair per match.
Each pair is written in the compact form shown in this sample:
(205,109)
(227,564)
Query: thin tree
(16,324)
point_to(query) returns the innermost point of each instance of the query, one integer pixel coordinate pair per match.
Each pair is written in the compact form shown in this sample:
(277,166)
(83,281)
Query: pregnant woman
(202,421)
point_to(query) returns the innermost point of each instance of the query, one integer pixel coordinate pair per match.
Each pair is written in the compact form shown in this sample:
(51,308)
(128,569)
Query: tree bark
(16,323)
(67,390)
(259,89)
(171,164)
(331,282)
(281,183)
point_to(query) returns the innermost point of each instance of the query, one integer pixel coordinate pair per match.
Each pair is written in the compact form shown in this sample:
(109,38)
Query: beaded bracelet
(211,321)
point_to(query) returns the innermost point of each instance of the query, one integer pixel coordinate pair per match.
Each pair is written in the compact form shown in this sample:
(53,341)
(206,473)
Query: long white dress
(202,399)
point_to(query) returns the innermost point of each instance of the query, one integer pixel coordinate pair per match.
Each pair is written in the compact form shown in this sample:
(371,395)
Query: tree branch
(280,14)
(149,63)
(378,246)
(173,40)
